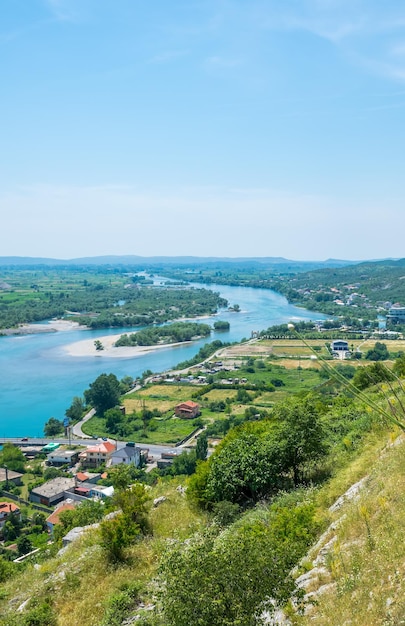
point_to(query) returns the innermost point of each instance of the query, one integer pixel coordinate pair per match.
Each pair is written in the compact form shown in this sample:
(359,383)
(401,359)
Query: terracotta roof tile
(54,517)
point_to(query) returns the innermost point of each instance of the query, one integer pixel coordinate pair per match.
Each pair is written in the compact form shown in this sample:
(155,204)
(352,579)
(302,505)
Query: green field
(167,430)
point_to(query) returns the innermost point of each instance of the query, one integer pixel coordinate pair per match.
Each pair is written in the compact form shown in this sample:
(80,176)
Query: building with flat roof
(61,456)
(53,491)
(396,314)
(12,477)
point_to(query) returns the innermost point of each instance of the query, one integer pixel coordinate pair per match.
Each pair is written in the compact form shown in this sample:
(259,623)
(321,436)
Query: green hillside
(262,526)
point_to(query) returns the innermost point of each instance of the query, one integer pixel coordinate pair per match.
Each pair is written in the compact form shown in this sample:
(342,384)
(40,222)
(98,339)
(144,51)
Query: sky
(230,128)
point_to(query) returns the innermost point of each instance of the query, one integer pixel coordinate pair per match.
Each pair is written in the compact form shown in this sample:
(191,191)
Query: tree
(113,420)
(371,375)
(12,527)
(126,383)
(185,463)
(242,396)
(120,476)
(118,533)
(221,325)
(75,411)
(53,427)
(87,512)
(98,345)
(378,353)
(53,472)
(244,469)
(39,519)
(7,570)
(24,545)
(146,374)
(104,393)
(12,457)
(399,366)
(228,578)
(300,434)
(260,458)
(202,447)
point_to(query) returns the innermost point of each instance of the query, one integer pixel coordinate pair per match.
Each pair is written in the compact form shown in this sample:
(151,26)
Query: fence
(34,505)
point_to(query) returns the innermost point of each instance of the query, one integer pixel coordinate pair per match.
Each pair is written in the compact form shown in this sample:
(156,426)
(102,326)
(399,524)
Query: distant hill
(134,260)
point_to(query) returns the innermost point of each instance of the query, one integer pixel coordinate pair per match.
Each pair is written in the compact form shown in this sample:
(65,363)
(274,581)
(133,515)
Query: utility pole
(6,468)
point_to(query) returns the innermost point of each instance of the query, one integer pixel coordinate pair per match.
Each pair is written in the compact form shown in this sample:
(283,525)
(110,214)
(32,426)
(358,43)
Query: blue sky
(206,127)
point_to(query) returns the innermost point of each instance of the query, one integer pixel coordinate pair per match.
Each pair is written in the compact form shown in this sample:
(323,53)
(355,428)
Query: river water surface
(38,379)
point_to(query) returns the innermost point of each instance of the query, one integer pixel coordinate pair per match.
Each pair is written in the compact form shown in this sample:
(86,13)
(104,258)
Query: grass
(136,405)
(367,564)
(168,431)
(220,394)
(161,397)
(168,391)
(80,581)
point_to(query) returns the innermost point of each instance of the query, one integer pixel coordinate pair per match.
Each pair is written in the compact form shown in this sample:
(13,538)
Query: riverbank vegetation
(355,293)
(97,297)
(172,333)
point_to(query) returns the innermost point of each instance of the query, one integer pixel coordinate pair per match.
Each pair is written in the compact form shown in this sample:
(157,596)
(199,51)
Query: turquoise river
(38,379)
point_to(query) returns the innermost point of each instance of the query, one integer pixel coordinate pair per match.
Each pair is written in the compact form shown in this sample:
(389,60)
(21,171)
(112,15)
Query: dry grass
(180,392)
(161,397)
(367,562)
(292,364)
(81,580)
(259,348)
(220,394)
(134,406)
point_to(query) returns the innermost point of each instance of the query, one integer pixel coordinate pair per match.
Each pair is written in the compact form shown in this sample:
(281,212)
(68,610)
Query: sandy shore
(87,348)
(49,327)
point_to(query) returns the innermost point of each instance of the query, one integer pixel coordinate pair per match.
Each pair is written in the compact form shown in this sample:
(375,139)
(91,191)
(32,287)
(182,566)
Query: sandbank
(86,348)
(51,326)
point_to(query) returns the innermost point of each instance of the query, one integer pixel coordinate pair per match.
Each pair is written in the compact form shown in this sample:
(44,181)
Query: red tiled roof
(9,507)
(104,448)
(81,476)
(188,404)
(54,517)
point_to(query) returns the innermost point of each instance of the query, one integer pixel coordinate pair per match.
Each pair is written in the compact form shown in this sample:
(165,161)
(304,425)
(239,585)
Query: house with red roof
(53,518)
(7,509)
(97,455)
(187,410)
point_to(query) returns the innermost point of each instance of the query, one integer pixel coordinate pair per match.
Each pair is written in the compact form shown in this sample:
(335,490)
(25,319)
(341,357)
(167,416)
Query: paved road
(155,450)
(77,428)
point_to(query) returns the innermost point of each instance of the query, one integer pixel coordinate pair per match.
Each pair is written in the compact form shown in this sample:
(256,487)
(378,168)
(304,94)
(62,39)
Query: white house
(128,454)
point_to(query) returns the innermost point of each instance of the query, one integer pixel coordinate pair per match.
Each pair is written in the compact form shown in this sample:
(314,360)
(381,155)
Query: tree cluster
(172,333)
(261,458)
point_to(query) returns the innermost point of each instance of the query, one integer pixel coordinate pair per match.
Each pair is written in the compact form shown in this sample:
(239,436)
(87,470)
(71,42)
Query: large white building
(397,314)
